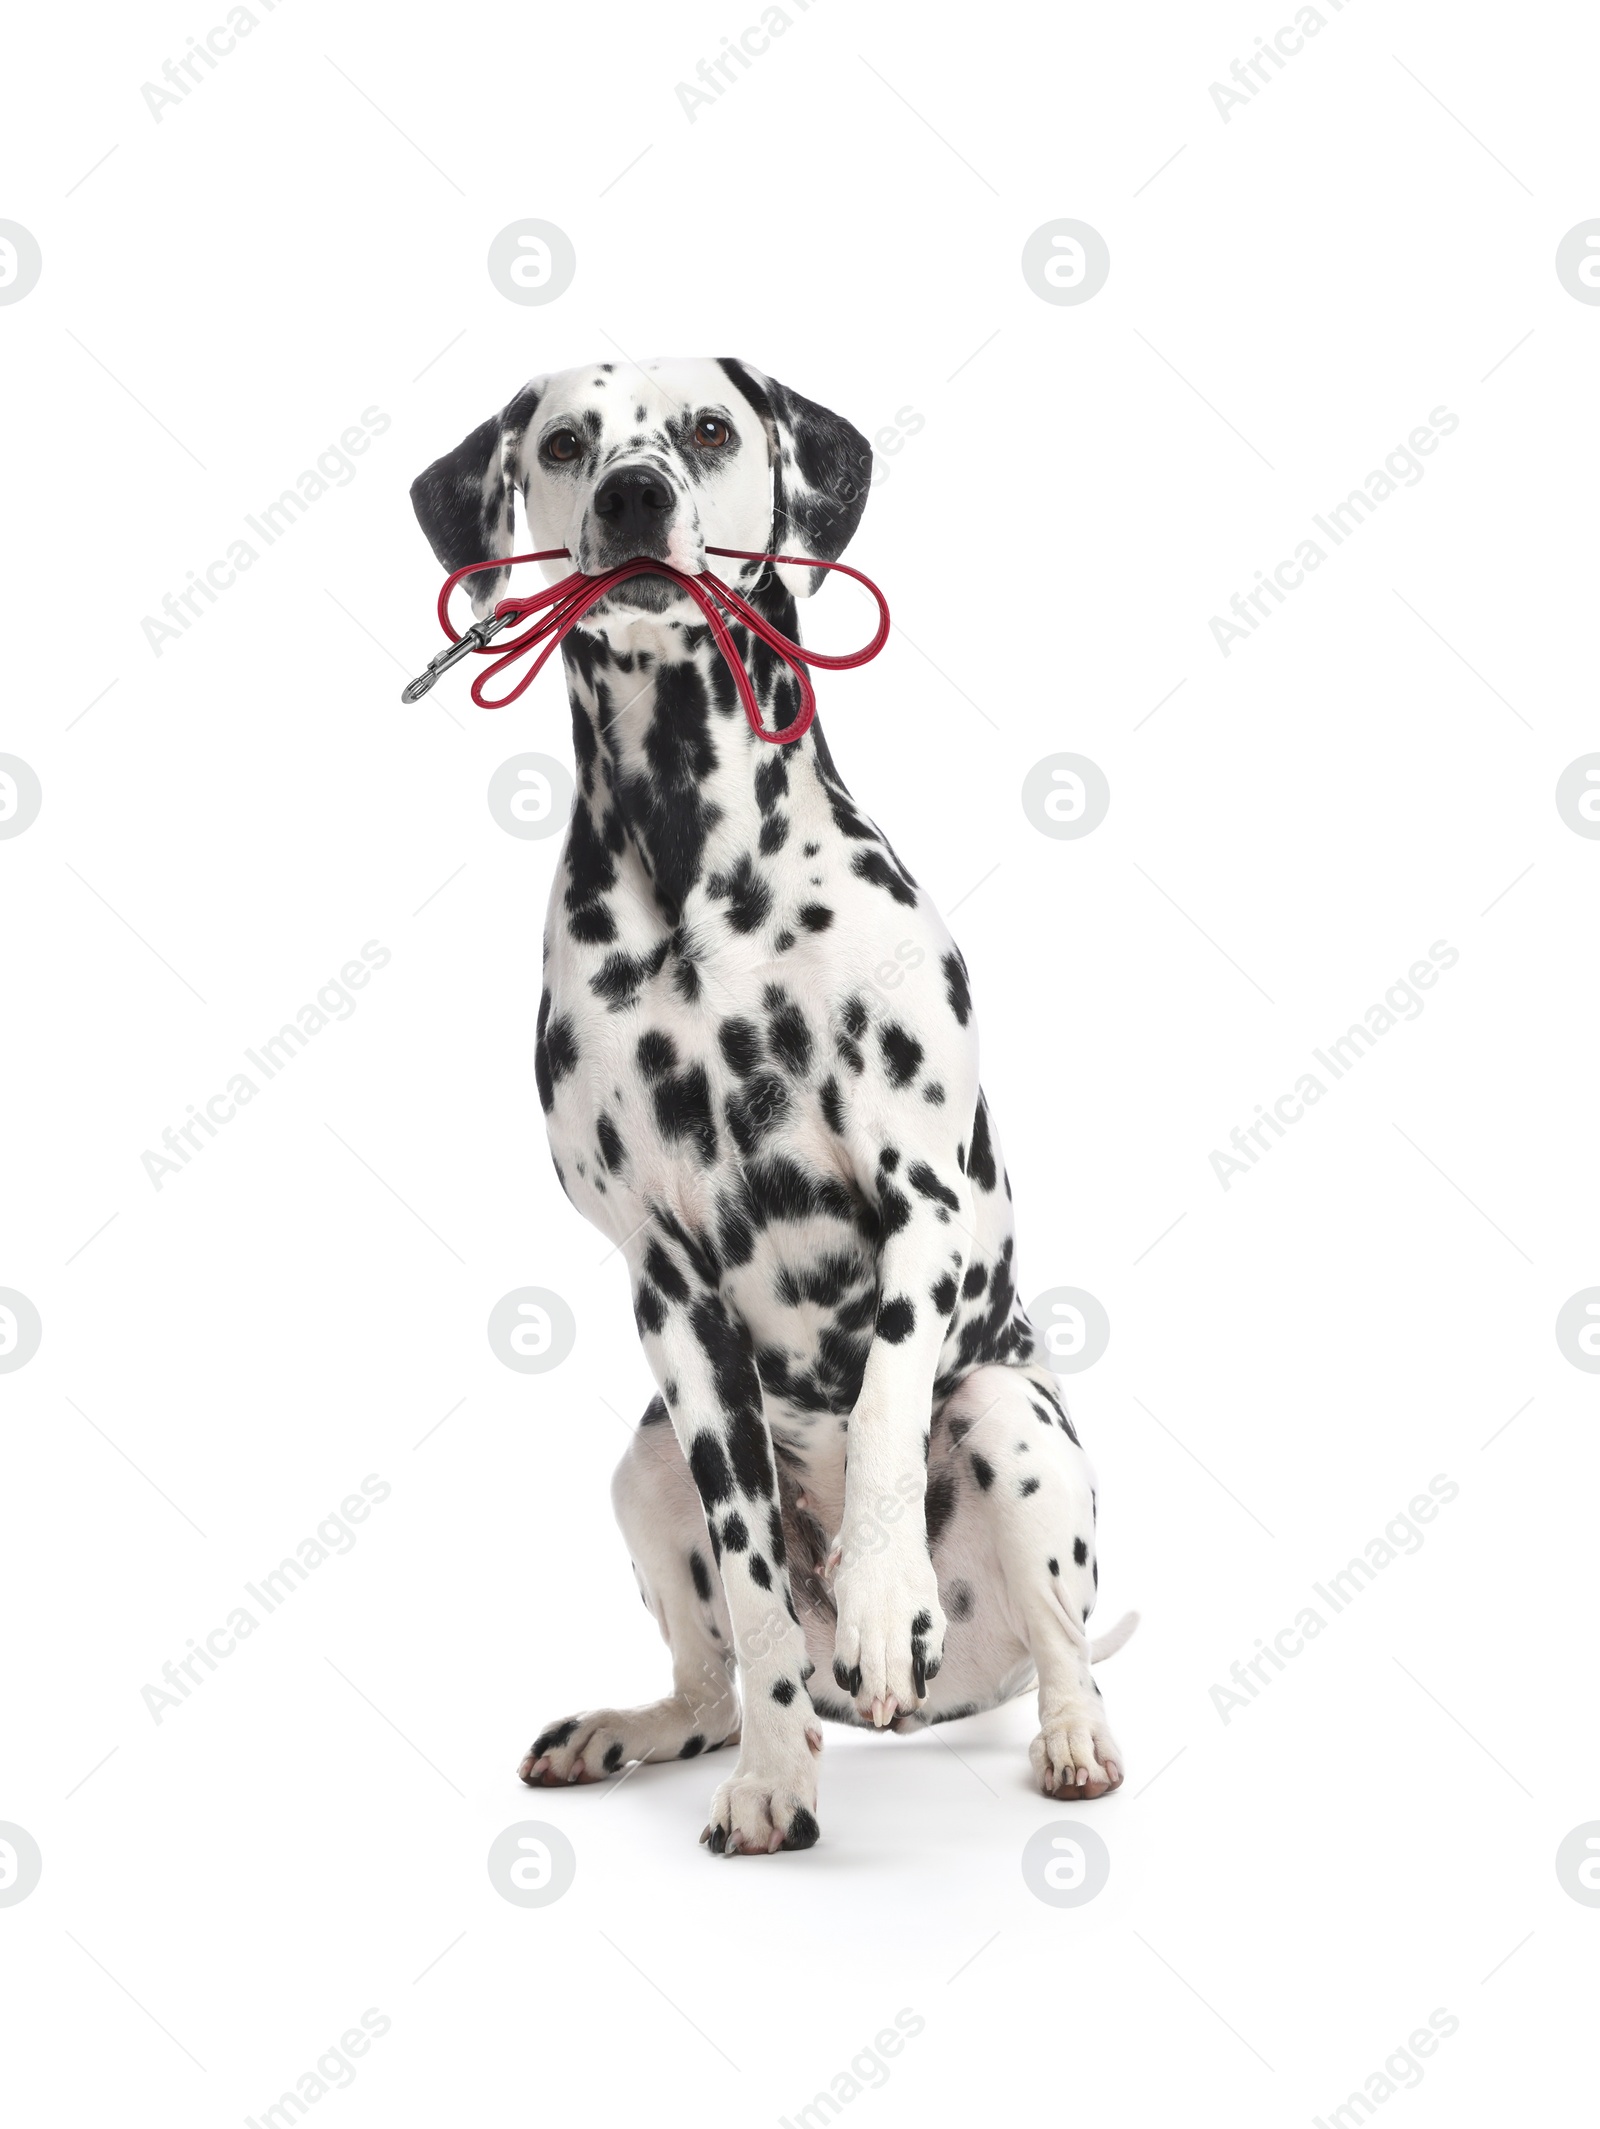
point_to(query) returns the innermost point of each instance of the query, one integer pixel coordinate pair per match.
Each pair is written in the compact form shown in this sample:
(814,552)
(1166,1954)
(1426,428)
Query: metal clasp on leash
(470,640)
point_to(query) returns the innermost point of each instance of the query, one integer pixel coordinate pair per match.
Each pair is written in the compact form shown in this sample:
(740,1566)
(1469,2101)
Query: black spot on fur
(958,1601)
(955,981)
(980,1161)
(757,1109)
(740,1044)
(1029,1485)
(941,1504)
(613,1759)
(747,895)
(876,868)
(787,1033)
(902,1053)
(611,1149)
(620,976)
(894,1208)
(772,781)
(944,1295)
(709,1467)
(683,1110)
(657,1053)
(665,1273)
(752,1461)
(783,1691)
(982,1471)
(555,1053)
(649,1311)
(691,1748)
(832,1106)
(816,916)
(897,1319)
(923,1180)
(1080,1551)
(702,1576)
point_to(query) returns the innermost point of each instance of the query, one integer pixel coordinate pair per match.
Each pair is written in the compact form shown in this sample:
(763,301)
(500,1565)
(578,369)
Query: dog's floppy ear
(821,471)
(464,501)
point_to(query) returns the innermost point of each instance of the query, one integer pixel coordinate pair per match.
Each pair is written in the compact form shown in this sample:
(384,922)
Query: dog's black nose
(633,504)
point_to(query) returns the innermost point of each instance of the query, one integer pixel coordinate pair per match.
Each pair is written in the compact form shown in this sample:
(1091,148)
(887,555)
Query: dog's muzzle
(637,514)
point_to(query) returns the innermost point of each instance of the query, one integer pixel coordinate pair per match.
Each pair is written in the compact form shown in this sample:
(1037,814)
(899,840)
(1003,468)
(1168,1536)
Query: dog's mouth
(641,594)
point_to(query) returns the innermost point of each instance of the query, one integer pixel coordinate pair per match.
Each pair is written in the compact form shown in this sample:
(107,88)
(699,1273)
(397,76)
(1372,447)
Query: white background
(304,236)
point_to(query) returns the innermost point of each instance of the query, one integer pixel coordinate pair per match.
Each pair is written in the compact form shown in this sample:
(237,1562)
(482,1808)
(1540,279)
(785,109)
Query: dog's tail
(1120,1634)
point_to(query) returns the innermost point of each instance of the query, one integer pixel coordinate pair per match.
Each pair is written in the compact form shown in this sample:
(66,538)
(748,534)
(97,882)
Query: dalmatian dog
(857,1494)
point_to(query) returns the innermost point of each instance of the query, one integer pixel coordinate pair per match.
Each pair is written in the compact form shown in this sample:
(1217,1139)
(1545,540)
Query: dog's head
(660,460)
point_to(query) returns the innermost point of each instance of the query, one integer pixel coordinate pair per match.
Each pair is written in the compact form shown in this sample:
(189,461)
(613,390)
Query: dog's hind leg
(665,1528)
(1009,1477)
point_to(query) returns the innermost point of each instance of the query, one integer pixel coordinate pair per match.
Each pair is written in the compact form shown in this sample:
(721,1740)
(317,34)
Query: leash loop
(558,609)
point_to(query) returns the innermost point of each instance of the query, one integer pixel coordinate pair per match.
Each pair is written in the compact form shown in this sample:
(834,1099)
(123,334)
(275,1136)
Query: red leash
(568,601)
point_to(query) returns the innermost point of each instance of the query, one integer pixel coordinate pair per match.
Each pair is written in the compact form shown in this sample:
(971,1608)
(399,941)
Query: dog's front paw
(588,1748)
(757,1812)
(1075,1754)
(890,1637)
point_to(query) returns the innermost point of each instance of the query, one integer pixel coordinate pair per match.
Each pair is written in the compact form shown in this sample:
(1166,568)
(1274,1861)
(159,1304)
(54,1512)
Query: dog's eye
(711,433)
(562,446)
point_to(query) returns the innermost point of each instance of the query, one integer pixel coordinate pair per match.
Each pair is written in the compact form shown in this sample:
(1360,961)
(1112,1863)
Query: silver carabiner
(471,639)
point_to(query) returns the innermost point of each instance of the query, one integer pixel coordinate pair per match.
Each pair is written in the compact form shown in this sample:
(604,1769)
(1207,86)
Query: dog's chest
(709,1080)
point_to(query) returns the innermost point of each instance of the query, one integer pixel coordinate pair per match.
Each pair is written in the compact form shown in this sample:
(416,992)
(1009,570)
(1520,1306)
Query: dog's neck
(676,787)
